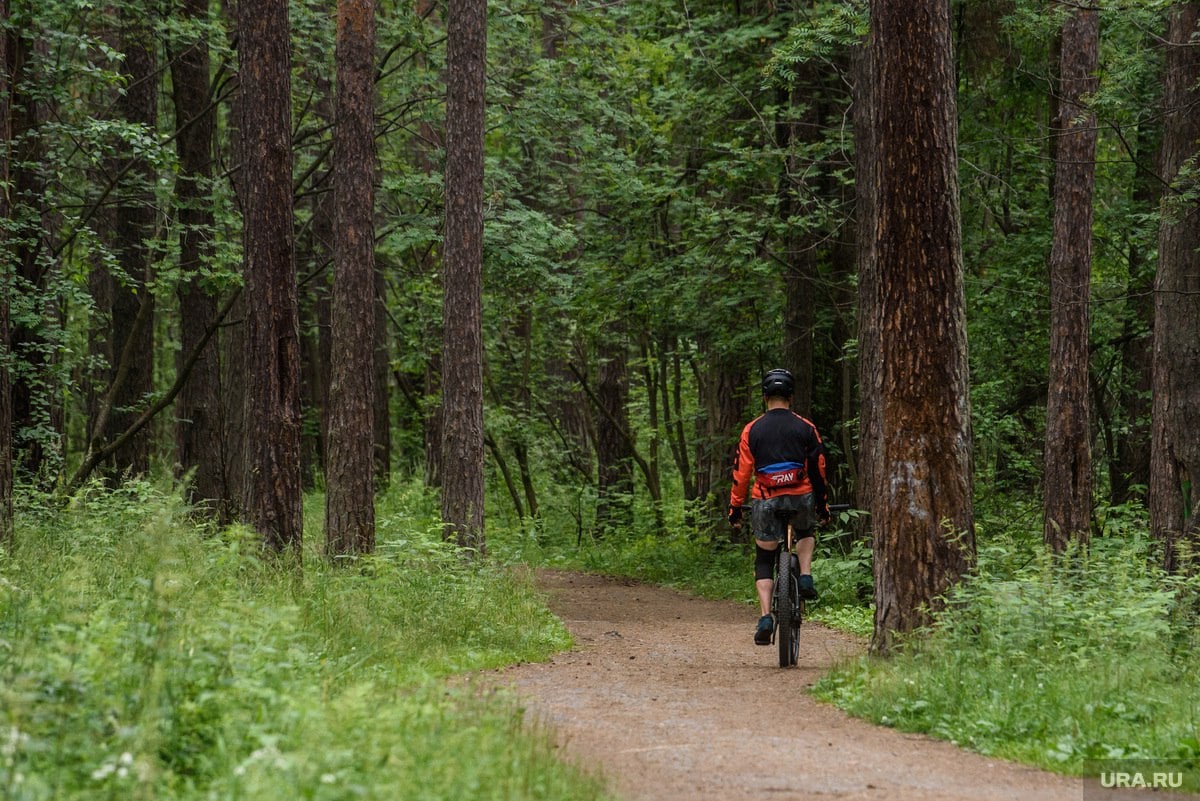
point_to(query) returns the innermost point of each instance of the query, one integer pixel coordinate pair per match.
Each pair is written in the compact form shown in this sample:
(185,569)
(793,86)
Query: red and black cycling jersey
(783,454)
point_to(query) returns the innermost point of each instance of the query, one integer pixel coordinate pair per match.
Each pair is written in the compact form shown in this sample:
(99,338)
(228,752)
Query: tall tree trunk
(198,406)
(870,364)
(99,375)
(427,11)
(923,518)
(312,458)
(135,218)
(1129,471)
(382,364)
(6,288)
(722,413)
(234,369)
(314,256)
(1068,461)
(32,413)
(800,241)
(350,456)
(462,342)
(614,459)
(273,487)
(1175,448)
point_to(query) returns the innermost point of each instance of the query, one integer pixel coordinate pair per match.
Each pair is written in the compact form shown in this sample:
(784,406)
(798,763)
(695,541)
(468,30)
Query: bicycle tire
(787,619)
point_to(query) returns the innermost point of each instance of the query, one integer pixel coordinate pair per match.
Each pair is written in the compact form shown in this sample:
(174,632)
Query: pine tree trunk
(922,512)
(198,405)
(1129,471)
(233,358)
(870,366)
(138,105)
(1068,460)
(427,12)
(350,456)
(6,288)
(31,413)
(1175,448)
(462,343)
(314,256)
(799,244)
(272,437)
(614,460)
(722,393)
(383,371)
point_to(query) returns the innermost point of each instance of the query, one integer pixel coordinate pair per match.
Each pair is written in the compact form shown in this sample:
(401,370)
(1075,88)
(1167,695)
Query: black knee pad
(764,563)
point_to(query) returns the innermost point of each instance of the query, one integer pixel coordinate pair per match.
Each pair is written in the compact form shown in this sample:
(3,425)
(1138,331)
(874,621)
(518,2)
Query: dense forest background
(672,203)
(291,293)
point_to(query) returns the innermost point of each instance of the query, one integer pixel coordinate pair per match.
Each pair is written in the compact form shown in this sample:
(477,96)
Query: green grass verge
(1054,662)
(143,655)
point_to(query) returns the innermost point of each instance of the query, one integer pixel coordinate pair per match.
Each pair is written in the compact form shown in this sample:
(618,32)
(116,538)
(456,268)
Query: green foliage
(147,656)
(1048,660)
(71,162)
(827,30)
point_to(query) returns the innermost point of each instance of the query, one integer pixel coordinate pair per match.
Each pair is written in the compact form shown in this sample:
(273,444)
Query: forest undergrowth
(1061,662)
(145,655)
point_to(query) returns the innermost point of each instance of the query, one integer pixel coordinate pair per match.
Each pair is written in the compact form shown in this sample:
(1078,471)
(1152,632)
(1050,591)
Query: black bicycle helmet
(778,383)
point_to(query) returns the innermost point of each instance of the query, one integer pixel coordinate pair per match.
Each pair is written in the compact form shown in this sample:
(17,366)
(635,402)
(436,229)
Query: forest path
(667,696)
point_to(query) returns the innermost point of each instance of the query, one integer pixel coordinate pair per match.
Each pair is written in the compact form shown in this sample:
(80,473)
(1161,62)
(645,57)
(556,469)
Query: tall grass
(145,656)
(1049,660)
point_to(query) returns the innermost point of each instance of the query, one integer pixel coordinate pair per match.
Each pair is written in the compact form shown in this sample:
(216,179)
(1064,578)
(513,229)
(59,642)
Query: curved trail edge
(666,695)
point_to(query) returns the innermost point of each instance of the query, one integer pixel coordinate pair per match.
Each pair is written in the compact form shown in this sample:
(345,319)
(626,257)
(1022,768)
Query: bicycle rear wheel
(787,618)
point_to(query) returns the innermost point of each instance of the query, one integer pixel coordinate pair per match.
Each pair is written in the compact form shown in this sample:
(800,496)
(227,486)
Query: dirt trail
(667,696)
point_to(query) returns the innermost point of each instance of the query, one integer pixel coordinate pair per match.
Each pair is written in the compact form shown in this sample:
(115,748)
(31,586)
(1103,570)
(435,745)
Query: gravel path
(667,696)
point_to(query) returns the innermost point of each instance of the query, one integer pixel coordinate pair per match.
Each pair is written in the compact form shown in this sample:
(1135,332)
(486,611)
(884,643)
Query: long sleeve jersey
(782,453)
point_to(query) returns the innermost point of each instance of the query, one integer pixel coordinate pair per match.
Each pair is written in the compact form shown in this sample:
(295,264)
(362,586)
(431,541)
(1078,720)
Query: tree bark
(427,12)
(1129,470)
(1175,448)
(233,366)
(135,220)
(614,452)
(350,457)
(273,487)
(314,256)
(800,242)
(870,365)
(6,289)
(198,406)
(1068,459)
(722,393)
(382,364)
(462,343)
(32,410)
(922,512)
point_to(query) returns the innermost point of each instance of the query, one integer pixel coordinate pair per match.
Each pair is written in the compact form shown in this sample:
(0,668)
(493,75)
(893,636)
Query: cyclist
(782,453)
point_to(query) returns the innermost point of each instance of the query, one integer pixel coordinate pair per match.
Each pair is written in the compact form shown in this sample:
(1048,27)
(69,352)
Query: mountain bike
(787,607)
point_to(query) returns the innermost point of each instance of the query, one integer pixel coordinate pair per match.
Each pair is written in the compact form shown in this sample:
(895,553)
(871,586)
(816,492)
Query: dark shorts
(770,517)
